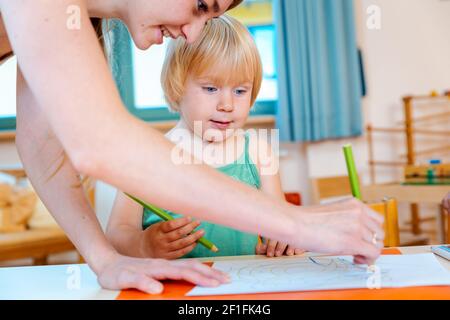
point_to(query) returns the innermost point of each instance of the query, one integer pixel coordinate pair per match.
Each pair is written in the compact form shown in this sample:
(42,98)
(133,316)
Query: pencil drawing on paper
(326,273)
(305,271)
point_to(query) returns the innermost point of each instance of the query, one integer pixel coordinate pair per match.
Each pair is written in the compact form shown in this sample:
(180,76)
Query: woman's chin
(150,42)
(143,45)
(149,38)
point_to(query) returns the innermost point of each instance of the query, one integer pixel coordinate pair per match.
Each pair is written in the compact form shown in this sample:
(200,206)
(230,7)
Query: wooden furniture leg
(40,261)
(415,219)
(447,216)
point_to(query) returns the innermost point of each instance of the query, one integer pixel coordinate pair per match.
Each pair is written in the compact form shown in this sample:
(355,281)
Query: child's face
(219,108)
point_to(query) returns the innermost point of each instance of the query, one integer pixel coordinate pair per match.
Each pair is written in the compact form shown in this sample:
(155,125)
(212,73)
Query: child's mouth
(222,125)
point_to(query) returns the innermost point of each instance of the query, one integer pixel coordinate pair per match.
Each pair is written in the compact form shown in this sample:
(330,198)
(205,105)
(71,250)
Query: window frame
(7,124)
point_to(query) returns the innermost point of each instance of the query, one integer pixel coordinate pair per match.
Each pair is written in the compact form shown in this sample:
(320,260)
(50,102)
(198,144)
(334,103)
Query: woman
(68,107)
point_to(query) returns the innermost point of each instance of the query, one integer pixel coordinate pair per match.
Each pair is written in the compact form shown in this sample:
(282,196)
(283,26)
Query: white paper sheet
(326,273)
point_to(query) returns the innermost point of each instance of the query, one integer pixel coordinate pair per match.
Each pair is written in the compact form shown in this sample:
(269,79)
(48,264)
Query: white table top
(79,282)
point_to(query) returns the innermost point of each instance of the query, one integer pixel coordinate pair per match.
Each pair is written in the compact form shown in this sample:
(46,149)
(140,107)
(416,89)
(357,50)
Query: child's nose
(226,102)
(225,107)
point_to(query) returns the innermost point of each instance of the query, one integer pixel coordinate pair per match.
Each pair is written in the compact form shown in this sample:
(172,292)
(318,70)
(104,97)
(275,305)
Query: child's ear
(174,107)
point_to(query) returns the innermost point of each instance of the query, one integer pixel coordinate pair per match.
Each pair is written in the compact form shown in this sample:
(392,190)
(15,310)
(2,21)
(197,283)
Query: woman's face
(149,21)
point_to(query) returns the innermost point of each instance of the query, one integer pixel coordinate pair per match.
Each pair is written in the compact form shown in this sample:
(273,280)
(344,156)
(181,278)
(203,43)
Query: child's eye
(210,89)
(202,6)
(240,91)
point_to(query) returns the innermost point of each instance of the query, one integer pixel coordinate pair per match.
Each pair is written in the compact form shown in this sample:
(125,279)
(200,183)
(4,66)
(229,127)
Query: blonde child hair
(225,53)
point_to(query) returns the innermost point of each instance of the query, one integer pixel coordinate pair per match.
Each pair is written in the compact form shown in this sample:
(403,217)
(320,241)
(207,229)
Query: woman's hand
(123,272)
(273,248)
(348,227)
(170,239)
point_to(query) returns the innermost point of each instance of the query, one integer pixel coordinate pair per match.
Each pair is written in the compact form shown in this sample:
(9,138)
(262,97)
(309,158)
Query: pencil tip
(214,249)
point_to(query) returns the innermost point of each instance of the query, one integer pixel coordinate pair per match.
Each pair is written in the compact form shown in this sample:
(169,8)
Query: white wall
(8,154)
(408,55)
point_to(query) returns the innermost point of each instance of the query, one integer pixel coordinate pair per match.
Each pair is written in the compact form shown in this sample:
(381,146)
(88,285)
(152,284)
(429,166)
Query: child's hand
(273,248)
(170,239)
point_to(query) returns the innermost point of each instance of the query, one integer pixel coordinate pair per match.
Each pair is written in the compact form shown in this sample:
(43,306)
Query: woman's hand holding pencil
(354,185)
(344,227)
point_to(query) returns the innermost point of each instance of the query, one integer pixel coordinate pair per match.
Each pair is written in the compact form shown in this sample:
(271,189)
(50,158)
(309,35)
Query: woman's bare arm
(42,155)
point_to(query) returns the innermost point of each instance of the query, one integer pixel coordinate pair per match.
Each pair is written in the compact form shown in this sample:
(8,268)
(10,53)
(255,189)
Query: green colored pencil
(166,217)
(352,173)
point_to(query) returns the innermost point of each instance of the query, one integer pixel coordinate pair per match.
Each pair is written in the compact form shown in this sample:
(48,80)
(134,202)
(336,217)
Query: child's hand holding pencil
(174,232)
(170,239)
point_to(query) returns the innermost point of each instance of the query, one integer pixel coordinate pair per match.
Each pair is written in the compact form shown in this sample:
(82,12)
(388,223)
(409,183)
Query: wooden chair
(339,186)
(330,187)
(389,210)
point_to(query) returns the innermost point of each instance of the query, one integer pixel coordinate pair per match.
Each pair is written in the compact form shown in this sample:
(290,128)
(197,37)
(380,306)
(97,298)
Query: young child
(213,84)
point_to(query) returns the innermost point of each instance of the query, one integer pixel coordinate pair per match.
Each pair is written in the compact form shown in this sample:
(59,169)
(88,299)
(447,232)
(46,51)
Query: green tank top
(231,242)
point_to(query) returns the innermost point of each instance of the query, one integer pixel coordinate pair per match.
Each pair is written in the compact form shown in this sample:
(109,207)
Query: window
(8,71)
(265,41)
(147,71)
(147,99)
